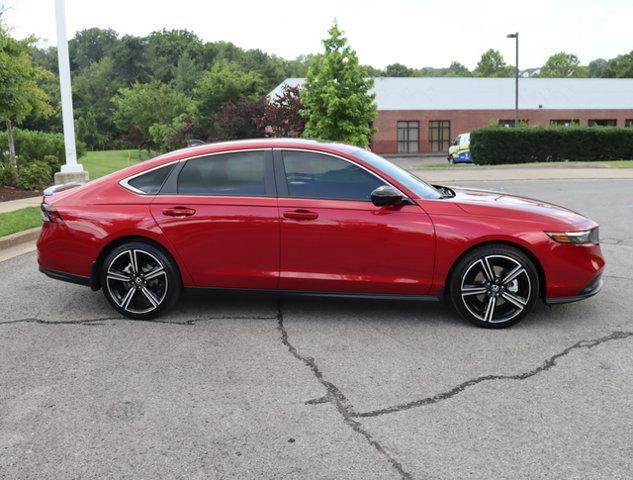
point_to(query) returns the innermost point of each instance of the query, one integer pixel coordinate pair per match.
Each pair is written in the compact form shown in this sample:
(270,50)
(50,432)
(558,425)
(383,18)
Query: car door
(333,239)
(220,213)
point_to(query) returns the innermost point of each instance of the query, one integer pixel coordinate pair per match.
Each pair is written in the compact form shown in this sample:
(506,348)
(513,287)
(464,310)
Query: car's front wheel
(139,280)
(494,286)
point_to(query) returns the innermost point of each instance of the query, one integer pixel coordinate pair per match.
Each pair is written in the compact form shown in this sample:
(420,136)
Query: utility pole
(71,170)
(516,80)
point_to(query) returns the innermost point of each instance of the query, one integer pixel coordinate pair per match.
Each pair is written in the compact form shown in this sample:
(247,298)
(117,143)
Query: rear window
(238,174)
(152,181)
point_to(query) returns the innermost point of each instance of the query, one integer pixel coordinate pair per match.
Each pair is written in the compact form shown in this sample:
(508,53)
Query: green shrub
(494,145)
(32,145)
(8,174)
(34,175)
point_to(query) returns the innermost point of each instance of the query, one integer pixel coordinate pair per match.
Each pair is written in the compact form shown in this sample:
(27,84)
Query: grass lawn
(100,163)
(600,164)
(23,219)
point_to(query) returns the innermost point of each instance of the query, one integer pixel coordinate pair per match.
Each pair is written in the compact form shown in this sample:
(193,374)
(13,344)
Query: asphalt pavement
(234,387)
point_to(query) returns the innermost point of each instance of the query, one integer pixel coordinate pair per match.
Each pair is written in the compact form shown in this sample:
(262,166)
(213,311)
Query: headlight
(576,238)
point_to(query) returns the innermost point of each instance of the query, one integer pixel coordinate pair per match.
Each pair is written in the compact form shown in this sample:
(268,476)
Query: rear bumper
(589,291)
(67,277)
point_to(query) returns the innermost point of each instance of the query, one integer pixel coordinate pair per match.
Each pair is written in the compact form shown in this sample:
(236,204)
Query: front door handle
(179,212)
(301,215)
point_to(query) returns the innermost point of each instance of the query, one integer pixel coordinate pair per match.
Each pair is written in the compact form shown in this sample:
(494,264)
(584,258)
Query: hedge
(32,145)
(496,144)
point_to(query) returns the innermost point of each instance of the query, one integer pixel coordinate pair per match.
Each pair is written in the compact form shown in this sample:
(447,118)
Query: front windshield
(413,183)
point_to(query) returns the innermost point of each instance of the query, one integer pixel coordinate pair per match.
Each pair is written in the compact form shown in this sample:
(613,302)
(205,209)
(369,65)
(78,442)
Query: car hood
(497,204)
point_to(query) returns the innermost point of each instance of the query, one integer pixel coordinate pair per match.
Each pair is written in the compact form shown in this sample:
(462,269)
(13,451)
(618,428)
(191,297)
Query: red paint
(309,244)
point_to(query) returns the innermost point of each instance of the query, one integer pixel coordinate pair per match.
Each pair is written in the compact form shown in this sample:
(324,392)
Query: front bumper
(589,291)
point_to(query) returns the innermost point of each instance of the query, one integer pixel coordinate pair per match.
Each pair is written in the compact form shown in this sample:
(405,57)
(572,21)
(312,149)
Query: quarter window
(236,174)
(151,182)
(408,137)
(439,135)
(315,175)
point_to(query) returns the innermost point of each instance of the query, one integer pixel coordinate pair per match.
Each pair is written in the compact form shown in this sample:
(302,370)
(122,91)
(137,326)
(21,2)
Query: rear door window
(234,174)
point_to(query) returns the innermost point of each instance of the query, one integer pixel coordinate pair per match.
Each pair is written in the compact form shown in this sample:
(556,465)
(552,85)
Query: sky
(416,33)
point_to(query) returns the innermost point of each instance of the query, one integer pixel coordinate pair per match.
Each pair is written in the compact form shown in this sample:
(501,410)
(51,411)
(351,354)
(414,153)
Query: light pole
(516,80)
(71,170)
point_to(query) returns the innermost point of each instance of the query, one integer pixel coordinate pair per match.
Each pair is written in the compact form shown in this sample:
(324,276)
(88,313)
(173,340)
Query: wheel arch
(537,263)
(95,278)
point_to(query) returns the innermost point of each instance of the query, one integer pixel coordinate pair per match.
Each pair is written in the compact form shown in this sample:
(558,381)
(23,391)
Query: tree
(336,100)
(492,64)
(562,65)
(90,46)
(20,93)
(130,62)
(143,106)
(187,74)
(238,120)
(398,70)
(619,67)
(596,67)
(225,82)
(166,48)
(457,69)
(282,117)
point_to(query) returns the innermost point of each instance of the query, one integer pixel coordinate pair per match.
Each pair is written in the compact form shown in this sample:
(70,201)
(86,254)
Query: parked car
(459,151)
(299,217)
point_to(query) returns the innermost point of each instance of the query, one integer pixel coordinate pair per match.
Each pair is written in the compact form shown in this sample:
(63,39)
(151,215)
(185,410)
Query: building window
(628,123)
(510,123)
(564,123)
(603,123)
(439,135)
(408,137)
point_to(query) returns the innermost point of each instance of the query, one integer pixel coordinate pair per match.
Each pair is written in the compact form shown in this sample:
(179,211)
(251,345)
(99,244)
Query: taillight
(50,214)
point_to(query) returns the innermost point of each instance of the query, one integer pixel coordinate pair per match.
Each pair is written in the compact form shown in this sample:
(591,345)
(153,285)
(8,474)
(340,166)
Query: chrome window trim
(125,182)
(281,149)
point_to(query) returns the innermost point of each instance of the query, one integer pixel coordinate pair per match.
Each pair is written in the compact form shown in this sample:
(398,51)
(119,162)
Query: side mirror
(386,195)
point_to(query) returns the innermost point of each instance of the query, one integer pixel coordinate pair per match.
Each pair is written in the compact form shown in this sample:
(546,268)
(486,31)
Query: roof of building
(467,93)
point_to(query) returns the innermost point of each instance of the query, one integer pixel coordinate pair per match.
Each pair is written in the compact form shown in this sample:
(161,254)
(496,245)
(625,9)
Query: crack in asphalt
(546,365)
(96,321)
(619,277)
(336,397)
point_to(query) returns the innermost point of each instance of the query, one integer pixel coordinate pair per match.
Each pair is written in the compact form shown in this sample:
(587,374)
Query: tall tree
(238,120)
(20,93)
(596,67)
(619,67)
(90,46)
(145,105)
(562,65)
(336,97)
(165,49)
(225,82)
(492,64)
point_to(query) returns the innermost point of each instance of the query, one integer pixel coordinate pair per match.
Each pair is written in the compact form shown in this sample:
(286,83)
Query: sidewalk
(12,205)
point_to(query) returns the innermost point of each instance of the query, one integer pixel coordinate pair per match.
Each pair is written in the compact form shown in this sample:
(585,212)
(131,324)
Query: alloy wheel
(137,281)
(495,288)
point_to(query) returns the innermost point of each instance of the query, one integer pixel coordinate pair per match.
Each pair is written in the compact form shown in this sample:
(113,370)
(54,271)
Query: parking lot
(233,387)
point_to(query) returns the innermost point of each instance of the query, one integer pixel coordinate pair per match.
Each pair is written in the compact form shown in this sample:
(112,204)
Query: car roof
(260,143)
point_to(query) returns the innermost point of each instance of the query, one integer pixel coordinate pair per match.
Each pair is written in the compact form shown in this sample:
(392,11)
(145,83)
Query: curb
(19,238)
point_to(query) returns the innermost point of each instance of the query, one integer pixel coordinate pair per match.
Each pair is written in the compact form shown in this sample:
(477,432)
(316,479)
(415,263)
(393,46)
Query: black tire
(472,292)
(155,280)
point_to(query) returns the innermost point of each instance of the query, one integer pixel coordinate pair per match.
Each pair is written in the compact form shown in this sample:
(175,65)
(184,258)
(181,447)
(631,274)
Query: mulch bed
(11,193)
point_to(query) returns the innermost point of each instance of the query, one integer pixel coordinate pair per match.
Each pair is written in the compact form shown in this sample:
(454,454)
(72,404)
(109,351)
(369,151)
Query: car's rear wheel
(140,281)
(494,286)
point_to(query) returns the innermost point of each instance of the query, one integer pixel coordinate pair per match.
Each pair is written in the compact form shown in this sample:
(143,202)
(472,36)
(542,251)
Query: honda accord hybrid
(299,217)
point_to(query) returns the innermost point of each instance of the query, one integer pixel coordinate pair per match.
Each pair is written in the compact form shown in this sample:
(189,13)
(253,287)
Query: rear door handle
(179,212)
(301,215)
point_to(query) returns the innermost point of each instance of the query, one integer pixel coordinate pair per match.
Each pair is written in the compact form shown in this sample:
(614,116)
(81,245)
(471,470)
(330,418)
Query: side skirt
(301,293)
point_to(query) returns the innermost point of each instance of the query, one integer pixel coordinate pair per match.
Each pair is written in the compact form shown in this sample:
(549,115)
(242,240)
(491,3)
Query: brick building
(423,115)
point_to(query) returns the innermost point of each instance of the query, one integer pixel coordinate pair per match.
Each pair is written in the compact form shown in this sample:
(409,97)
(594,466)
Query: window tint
(240,173)
(151,181)
(314,175)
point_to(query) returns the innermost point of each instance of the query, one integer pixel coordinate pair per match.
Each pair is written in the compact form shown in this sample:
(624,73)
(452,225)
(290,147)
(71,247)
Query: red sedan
(307,218)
